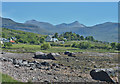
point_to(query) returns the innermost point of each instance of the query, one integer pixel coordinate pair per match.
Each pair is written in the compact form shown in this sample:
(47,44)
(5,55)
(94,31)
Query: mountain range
(104,32)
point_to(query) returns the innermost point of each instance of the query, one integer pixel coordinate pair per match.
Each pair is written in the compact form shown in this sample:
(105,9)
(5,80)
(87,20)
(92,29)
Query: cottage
(50,39)
(12,41)
(4,40)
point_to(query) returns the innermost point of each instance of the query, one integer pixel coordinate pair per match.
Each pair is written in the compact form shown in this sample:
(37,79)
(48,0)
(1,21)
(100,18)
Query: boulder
(39,55)
(66,52)
(45,63)
(55,54)
(71,54)
(54,64)
(17,66)
(31,64)
(15,61)
(20,62)
(38,65)
(33,67)
(3,59)
(10,60)
(51,56)
(102,75)
(25,63)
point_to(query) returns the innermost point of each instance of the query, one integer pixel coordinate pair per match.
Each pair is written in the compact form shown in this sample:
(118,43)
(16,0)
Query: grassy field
(5,79)
(21,48)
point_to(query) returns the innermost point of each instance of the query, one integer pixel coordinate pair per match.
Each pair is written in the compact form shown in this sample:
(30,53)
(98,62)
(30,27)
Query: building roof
(12,41)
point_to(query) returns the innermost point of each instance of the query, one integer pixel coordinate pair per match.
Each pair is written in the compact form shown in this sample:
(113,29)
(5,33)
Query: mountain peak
(76,24)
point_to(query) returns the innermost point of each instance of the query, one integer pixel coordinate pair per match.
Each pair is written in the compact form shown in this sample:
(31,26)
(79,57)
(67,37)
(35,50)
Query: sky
(87,13)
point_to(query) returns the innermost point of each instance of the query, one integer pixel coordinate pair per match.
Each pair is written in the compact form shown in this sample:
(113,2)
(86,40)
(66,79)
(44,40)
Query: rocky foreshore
(50,73)
(42,70)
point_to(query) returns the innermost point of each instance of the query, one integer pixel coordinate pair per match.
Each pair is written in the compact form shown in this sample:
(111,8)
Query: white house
(50,39)
(4,40)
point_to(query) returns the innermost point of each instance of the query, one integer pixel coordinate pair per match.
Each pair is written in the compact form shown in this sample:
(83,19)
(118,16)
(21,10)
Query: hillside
(8,23)
(105,32)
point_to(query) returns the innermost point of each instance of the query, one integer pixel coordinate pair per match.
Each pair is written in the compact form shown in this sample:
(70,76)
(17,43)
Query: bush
(84,45)
(113,45)
(7,44)
(45,46)
(74,45)
(118,46)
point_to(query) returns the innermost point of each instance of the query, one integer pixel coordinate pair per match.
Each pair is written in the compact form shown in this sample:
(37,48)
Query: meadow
(27,48)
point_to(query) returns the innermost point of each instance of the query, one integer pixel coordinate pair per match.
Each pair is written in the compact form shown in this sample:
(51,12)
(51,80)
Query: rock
(46,81)
(15,61)
(38,65)
(17,66)
(31,64)
(95,66)
(101,74)
(25,63)
(57,66)
(45,63)
(4,59)
(20,62)
(3,52)
(49,73)
(33,67)
(48,68)
(57,54)
(51,56)
(66,52)
(71,54)
(10,60)
(55,78)
(60,64)
(40,55)
(54,64)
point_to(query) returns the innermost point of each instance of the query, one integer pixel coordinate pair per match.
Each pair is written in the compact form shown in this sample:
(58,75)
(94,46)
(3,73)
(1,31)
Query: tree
(113,45)
(42,39)
(81,37)
(118,46)
(45,46)
(56,35)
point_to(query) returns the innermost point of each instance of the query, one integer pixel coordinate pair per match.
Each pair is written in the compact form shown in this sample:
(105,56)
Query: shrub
(74,45)
(84,45)
(7,44)
(45,46)
(113,45)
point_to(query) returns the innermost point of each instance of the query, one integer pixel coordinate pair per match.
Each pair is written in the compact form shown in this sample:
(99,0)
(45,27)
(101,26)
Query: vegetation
(31,42)
(7,44)
(23,37)
(6,78)
(69,36)
(45,46)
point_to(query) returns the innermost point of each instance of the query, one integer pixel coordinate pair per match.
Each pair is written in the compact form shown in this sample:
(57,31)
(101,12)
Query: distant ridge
(105,32)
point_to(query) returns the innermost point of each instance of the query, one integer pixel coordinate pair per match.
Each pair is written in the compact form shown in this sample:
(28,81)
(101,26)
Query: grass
(63,49)
(6,79)
(24,48)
